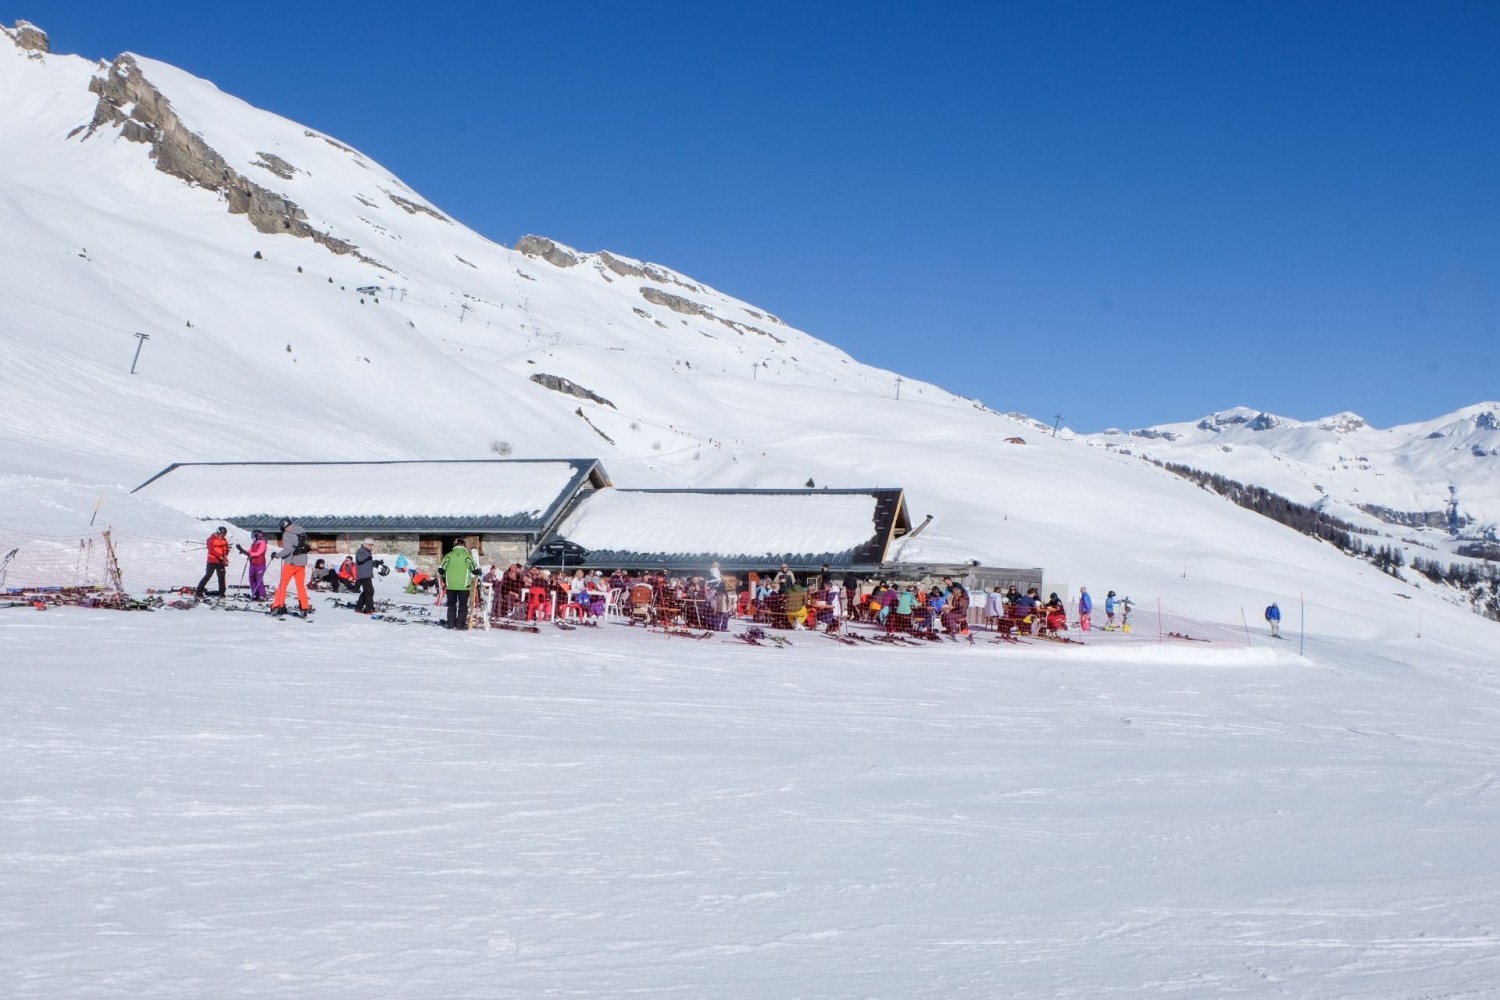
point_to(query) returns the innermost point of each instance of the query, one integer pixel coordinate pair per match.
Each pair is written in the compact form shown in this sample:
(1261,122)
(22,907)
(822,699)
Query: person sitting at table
(795,605)
(925,613)
(1054,615)
(906,602)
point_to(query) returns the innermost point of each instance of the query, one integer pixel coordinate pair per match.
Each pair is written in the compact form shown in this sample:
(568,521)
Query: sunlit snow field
(201,803)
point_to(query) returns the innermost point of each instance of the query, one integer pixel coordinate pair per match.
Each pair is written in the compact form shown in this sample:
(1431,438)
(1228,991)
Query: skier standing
(218,561)
(364,577)
(256,553)
(458,570)
(1085,609)
(1273,616)
(293,556)
(1109,611)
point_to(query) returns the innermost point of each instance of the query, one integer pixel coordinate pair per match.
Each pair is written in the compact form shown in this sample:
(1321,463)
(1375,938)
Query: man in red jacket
(218,560)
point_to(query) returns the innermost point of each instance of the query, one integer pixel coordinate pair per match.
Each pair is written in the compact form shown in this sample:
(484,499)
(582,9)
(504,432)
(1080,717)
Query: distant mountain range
(1441,475)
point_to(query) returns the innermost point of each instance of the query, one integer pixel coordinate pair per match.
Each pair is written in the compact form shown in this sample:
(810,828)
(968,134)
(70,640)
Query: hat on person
(221,530)
(1110,594)
(369,543)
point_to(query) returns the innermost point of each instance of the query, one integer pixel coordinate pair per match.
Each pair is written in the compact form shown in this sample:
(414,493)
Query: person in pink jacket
(256,553)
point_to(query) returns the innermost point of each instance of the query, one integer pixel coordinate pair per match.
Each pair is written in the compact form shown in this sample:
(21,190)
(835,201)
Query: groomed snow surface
(210,804)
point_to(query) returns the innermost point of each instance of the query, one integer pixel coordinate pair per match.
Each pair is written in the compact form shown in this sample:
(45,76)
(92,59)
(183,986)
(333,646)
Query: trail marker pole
(1302,625)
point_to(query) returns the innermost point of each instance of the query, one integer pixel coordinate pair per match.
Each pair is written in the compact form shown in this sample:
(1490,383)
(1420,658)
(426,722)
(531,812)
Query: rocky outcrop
(559,384)
(143,114)
(688,307)
(676,303)
(28,37)
(552,253)
(275,164)
(413,208)
(1343,423)
(625,269)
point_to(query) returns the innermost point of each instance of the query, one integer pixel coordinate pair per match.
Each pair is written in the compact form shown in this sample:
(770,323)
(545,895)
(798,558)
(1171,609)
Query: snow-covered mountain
(200,803)
(302,302)
(1439,477)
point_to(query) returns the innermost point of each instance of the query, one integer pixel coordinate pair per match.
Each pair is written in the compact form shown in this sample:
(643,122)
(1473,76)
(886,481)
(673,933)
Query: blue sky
(1123,213)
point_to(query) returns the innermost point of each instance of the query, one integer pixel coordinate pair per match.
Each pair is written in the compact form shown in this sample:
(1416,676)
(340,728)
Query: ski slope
(231,806)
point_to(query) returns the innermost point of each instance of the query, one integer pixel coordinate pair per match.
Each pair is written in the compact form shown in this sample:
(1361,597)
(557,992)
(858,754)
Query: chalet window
(437,546)
(323,545)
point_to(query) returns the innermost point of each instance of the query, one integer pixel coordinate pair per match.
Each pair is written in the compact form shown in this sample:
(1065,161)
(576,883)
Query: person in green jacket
(458,569)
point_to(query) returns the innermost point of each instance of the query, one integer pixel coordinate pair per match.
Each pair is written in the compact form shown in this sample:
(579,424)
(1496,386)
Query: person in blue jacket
(1109,611)
(1273,615)
(1085,609)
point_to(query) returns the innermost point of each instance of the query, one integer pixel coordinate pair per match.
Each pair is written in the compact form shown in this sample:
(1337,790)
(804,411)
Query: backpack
(300,547)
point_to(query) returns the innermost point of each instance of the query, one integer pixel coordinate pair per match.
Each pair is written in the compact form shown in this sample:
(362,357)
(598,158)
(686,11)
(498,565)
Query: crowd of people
(781,597)
(356,573)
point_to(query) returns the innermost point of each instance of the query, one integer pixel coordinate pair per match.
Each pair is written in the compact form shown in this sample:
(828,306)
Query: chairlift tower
(140,341)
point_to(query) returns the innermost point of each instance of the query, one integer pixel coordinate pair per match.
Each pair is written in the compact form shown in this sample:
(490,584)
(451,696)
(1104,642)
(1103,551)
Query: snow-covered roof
(516,496)
(751,529)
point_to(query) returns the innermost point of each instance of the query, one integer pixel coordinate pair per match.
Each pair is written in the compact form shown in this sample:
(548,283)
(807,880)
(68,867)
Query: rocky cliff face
(28,37)
(128,100)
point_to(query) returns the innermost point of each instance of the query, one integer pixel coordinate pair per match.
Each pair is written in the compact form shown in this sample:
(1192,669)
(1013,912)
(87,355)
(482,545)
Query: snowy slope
(230,807)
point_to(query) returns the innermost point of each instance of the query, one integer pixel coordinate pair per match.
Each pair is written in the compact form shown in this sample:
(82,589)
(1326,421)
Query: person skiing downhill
(256,553)
(218,561)
(1273,616)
